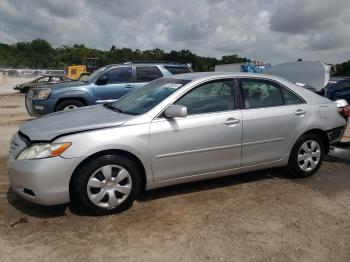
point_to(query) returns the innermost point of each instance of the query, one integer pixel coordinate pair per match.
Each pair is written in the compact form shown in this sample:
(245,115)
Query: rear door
(146,74)
(119,83)
(207,140)
(273,116)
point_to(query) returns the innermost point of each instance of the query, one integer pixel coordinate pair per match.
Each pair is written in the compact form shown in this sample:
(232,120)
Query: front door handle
(231,121)
(128,86)
(300,112)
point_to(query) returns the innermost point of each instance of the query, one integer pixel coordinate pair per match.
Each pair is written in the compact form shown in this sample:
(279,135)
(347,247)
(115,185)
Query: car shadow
(210,184)
(38,211)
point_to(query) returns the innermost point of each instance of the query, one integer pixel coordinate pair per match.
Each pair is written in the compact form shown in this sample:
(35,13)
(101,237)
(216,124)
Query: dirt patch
(9,106)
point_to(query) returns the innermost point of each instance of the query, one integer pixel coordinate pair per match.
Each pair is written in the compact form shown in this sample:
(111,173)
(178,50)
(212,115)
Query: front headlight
(42,93)
(43,150)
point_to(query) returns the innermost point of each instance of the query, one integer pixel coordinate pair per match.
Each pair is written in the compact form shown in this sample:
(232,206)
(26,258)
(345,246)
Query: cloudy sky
(268,30)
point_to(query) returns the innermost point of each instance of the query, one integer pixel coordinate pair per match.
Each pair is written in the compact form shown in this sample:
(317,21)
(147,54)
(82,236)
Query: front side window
(211,97)
(119,75)
(259,93)
(147,73)
(96,73)
(145,98)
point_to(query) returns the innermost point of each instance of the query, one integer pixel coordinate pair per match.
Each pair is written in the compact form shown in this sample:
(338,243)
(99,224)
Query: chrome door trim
(263,141)
(197,151)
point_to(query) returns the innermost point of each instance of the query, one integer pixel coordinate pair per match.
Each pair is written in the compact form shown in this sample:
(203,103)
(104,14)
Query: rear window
(178,69)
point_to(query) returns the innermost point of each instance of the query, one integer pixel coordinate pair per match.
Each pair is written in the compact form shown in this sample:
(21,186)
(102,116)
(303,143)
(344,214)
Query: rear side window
(261,93)
(147,74)
(55,78)
(178,69)
(45,79)
(290,98)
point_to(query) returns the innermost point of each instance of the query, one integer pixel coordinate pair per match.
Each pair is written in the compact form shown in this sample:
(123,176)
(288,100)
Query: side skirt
(279,163)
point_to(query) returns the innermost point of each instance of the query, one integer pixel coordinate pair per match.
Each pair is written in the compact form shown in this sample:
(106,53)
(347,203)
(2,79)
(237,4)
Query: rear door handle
(300,112)
(128,86)
(231,121)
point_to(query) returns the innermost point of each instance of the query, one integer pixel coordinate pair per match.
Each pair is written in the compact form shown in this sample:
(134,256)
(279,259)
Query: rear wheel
(106,185)
(69,104)
(306,156)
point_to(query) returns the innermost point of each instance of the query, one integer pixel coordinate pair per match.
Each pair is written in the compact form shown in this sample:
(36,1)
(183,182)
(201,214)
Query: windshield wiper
(109,106)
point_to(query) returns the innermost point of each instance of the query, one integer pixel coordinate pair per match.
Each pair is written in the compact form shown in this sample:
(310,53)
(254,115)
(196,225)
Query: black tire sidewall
(293,167)
(66,103)
(79,185)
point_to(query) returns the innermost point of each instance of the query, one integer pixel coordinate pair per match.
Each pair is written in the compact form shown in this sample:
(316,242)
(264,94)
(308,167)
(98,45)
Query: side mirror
(176,111)
(102,80)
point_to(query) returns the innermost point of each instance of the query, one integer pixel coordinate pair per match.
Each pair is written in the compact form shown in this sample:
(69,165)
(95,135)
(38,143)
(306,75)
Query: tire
(306,156)
(69,104)
(96,188)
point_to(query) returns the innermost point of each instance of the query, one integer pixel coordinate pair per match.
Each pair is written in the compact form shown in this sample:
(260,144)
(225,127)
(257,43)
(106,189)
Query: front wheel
(107,184)
(68,105)
(306,156)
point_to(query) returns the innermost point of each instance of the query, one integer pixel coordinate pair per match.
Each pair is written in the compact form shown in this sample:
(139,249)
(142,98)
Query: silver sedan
(173,130)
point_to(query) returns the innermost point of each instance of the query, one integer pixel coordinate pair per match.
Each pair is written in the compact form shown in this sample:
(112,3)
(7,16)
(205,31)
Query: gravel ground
(259,216)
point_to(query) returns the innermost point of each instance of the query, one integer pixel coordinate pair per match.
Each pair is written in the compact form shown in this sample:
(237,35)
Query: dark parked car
(337,88)
(40,81)
(107,84)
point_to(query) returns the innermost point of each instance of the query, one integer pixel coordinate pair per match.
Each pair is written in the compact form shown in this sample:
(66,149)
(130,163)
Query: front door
(207,140)
(119,83)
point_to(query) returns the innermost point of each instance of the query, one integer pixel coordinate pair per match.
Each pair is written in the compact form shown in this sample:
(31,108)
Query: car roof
(149,64)
(339,78)
(209,75)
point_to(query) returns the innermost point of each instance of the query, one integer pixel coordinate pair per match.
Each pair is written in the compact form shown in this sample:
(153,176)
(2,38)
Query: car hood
(66,84)
(25,83)
(48,127)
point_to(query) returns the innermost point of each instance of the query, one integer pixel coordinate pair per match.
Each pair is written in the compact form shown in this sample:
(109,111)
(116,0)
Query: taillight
(343,107)
(345,111)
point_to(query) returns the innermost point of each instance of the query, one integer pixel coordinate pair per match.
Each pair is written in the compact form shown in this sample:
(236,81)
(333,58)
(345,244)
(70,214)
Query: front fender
(83,94)
(127,138)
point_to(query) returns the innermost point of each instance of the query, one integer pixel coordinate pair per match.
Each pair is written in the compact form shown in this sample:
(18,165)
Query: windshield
(96,73)
(145,98)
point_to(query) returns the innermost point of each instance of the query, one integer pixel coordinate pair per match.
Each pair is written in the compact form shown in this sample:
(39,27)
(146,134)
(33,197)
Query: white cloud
(269,30)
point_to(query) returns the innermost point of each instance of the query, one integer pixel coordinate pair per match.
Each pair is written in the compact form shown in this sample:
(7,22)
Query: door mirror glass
(176,111)
(103,80)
